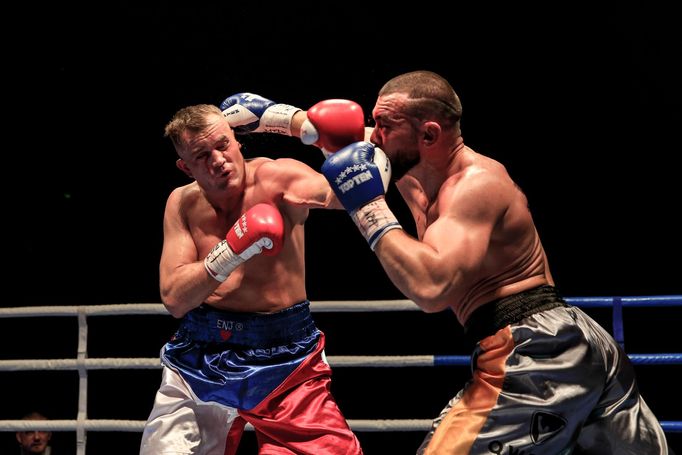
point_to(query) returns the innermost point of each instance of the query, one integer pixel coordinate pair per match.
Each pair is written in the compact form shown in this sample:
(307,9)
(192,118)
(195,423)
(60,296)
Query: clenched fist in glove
(259,230)
(333,124)
(359,174)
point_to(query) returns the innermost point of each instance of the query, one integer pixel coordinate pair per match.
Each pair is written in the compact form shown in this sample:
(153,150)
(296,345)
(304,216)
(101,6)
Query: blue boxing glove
(359,174)
(249,113)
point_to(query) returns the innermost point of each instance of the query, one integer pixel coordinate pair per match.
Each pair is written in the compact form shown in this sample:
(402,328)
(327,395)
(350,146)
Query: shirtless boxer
(547,379)
(232,267)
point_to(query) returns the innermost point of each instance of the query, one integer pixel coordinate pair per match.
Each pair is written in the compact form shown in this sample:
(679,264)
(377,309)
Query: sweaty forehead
(216,130)
(389,105)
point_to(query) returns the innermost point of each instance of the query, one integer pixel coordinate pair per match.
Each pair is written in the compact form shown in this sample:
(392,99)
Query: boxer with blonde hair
(232,268)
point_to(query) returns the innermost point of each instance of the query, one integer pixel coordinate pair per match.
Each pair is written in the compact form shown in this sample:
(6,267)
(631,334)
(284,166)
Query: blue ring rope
(671,426)
(641,301)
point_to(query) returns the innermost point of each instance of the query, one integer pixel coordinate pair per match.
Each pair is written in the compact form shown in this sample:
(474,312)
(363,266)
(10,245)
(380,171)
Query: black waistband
(491,317)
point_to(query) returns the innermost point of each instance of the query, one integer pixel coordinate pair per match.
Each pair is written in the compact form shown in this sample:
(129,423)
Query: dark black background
(580,102)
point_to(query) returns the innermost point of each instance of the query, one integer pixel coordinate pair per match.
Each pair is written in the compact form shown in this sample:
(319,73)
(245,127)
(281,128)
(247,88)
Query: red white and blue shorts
(223,369)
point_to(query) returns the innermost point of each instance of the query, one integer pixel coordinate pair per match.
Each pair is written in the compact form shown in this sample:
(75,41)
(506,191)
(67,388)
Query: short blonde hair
(191,118)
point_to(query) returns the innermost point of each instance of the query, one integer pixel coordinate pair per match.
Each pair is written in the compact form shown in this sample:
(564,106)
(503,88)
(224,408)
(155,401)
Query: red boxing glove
(259,230)
(333,124)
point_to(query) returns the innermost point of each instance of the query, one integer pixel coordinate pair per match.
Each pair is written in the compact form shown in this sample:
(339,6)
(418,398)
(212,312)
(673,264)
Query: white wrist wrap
(374,220)
(221,261)
(256,248)
(277,119)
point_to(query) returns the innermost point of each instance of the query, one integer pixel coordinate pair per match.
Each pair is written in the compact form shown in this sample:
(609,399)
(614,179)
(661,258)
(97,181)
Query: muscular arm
(453,247)
(297,184)
(184,282)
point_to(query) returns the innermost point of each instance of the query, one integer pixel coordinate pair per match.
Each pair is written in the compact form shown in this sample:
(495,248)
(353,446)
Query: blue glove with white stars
(359,174)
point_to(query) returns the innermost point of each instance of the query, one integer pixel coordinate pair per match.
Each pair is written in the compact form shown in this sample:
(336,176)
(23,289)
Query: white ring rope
(153,363)
(138,425)
(322,306)
(73,364)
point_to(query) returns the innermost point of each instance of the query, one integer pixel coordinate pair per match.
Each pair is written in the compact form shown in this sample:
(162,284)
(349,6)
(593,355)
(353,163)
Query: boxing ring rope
(83,364)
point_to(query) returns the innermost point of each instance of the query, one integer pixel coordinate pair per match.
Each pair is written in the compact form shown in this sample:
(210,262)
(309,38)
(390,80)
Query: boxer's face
(395,133)
(213,156)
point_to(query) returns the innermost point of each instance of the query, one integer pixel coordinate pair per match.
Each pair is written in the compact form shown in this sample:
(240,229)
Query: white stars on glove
(350,169)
